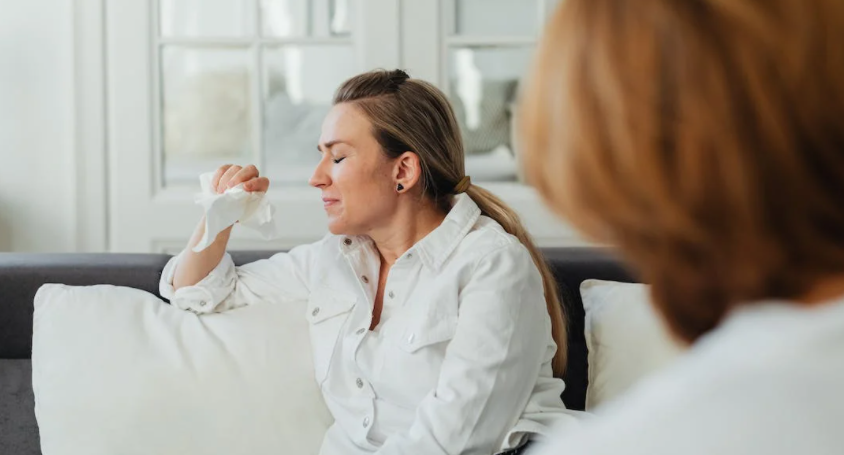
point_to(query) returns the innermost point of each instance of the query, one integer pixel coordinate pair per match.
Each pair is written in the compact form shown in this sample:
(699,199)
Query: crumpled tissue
(251,209)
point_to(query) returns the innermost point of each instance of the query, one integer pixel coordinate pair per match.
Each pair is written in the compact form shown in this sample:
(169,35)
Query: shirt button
(347,242)
(391,294)
(359,383)
(315,312)
(202,303)
(360,331)
(410,255)
(365,279)
(365,422)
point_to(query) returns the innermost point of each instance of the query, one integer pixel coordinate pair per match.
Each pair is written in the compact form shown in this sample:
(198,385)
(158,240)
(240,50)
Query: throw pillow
(626,338)
(485,122)
(117,370)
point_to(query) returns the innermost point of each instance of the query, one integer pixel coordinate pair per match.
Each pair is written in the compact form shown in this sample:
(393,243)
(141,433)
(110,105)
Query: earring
(399,187)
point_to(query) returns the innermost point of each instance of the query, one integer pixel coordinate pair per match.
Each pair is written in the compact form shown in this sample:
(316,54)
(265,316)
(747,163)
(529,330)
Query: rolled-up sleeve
(281,277)
(491,365)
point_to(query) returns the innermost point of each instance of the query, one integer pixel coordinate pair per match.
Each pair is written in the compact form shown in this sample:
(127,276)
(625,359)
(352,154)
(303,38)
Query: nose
(320,178)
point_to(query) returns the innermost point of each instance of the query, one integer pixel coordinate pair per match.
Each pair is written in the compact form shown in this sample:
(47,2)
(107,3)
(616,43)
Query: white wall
(36,126)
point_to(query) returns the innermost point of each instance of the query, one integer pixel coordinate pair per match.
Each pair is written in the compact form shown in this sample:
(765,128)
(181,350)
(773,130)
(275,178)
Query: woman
(435,324)
(705,139)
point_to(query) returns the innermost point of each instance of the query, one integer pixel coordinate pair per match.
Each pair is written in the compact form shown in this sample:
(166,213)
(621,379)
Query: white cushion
(116,370)
(626,338)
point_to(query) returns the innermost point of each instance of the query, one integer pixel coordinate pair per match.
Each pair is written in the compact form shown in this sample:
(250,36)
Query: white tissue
(252,209)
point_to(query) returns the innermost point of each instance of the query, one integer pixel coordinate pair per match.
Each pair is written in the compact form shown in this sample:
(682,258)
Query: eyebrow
(330,144)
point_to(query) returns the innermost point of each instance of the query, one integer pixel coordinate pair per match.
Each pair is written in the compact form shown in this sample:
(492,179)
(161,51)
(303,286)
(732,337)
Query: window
(487,46)
(193,84)
(247,82)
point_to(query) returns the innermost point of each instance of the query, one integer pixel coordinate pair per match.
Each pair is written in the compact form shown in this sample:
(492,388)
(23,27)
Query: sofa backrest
(22,274)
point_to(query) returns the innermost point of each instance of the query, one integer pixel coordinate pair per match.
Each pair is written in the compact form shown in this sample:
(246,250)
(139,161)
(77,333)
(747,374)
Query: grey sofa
(22,274)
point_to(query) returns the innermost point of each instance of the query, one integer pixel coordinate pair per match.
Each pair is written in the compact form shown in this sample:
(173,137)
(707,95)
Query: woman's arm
(193,267)
(208,280)
(284,276)
(491,365)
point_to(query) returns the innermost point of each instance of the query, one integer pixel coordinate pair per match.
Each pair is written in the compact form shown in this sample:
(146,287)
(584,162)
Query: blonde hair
(703,138)
(413,115)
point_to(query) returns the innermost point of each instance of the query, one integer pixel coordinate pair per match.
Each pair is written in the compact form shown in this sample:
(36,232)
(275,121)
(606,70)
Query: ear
(407,170)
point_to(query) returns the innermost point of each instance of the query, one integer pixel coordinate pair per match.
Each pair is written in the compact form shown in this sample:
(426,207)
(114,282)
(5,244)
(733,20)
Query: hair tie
(463,185)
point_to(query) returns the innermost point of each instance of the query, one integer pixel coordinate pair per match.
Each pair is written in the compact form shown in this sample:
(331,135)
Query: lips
(328,202)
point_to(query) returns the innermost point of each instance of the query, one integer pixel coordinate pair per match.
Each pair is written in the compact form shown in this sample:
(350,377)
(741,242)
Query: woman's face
(354,174)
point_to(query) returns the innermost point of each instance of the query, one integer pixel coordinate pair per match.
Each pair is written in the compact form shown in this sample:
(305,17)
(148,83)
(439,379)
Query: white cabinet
(193,84)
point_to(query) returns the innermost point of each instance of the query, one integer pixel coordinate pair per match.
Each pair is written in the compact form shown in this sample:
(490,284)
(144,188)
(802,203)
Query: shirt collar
(437,246)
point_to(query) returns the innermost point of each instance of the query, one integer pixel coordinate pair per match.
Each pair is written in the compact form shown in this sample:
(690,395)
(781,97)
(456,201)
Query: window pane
(286,17)
(482,87)
(206,109)
(321,18)
(299,83)
(207,18)
(496,17)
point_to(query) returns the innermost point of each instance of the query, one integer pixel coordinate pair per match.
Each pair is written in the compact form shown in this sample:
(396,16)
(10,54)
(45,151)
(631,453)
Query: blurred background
(110,109)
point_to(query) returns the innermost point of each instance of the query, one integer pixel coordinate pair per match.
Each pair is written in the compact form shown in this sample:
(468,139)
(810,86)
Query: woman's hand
(231,175)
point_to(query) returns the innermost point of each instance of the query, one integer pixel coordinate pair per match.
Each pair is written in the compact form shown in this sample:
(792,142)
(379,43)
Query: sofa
(21,274)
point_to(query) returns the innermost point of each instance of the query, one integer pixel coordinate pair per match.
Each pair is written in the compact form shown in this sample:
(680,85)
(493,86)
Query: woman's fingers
(244,175)
(224,180)
(229,176)
(215,182)
(259,185)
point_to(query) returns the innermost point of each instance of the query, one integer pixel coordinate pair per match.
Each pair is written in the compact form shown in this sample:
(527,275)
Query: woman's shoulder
(487,239)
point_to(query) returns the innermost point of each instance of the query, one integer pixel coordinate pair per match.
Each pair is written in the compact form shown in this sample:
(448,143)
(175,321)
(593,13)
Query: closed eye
(338,160)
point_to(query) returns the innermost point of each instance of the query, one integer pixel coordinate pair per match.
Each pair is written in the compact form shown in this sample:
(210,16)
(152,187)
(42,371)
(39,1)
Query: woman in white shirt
(705,140)
(435,324)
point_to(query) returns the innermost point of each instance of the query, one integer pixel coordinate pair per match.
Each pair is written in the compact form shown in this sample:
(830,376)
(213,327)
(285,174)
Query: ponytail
(496,209)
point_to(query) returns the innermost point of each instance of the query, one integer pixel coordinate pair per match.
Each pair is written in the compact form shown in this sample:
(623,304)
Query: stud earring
(399,187)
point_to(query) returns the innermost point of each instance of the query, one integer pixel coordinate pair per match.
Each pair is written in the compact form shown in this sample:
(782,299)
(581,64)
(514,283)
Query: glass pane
(206,109)
(482,88)
(286,18)
(299,84)
(204,18)
(496,17)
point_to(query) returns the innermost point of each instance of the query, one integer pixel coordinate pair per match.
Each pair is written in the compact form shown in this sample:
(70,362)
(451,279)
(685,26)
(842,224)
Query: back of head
(413,115)
(703,138)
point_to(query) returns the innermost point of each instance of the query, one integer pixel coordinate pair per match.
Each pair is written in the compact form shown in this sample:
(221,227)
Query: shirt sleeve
(281,277)
(491,365)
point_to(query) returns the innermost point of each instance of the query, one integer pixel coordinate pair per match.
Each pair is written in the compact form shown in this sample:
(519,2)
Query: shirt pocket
(414,357)
(328,311)
(427,331)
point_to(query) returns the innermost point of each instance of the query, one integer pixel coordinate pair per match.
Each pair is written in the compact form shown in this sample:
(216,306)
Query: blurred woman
(705,140)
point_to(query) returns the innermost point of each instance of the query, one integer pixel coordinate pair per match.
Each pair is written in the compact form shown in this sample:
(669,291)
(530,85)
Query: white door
(193,84)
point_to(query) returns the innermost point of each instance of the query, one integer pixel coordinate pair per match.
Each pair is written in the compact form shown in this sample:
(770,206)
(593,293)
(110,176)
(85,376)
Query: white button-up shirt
(461,359)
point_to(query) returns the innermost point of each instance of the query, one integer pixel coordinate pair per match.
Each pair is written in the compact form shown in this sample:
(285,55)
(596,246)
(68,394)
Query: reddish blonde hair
(703,138)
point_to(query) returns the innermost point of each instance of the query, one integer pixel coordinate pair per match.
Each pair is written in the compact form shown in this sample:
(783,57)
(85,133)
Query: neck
(409,225)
